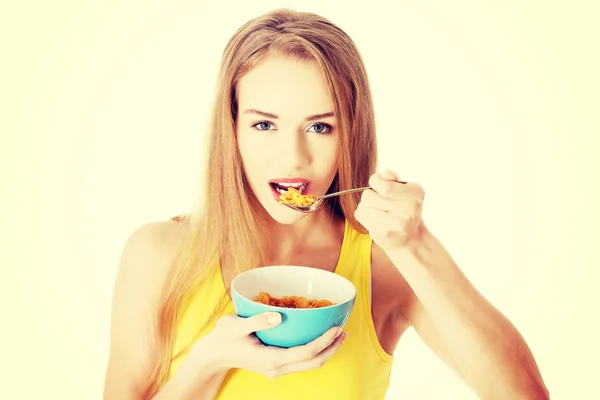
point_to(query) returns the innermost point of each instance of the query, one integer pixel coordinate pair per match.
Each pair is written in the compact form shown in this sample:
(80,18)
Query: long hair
(231,233)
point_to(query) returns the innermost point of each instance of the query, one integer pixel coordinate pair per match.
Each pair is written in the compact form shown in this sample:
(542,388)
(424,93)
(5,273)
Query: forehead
(285,86)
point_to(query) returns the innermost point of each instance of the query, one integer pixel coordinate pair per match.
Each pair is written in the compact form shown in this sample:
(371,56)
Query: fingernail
(339,332)
(273,319)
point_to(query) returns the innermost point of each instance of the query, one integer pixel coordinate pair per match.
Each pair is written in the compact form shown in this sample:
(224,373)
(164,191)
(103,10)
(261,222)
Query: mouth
(281,186)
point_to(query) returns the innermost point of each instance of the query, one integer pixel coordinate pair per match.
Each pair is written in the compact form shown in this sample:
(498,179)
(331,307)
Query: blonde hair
(213,238)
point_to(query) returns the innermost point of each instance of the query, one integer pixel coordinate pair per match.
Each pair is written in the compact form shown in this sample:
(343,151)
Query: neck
(318,230)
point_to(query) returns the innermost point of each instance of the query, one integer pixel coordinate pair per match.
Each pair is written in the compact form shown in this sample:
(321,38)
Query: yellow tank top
(360,370)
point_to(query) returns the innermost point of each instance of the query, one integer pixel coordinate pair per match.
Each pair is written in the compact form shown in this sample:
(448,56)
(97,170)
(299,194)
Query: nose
(297,152)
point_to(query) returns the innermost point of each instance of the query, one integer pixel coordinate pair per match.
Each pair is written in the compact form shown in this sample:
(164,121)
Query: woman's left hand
(391,211)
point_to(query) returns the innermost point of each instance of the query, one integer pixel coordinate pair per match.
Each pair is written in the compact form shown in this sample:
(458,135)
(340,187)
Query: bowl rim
(352,298)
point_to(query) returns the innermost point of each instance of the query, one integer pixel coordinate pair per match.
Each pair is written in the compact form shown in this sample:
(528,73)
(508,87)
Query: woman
(294,108)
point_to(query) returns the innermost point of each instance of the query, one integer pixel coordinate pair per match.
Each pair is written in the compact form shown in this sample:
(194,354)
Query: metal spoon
(319,200)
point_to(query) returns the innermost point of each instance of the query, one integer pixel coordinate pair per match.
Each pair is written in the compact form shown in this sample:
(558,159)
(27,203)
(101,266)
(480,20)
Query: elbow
(532,390)
(538,393)
(541,393)
(537,390)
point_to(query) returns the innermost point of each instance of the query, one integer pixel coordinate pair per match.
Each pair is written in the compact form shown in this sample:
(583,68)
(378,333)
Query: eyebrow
(275,116)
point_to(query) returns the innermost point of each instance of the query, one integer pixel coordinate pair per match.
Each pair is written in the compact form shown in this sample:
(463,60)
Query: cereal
(295,198)
(291,301)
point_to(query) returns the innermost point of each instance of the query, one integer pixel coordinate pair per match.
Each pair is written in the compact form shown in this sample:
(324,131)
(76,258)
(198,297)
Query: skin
(290,147)
(288,144)
(415,281)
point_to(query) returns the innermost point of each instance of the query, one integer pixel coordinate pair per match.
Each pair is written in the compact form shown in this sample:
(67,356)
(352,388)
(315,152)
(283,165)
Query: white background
(491,106)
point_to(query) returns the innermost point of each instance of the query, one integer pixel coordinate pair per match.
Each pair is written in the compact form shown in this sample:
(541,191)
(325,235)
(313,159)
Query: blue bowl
(299,325)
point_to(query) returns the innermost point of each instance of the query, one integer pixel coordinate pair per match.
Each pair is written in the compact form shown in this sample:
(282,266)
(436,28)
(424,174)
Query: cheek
(253,156)
(326,159)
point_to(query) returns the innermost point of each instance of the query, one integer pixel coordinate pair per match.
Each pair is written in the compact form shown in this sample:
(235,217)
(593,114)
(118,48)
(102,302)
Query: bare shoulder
(148,253)
(155,239)
(145,260)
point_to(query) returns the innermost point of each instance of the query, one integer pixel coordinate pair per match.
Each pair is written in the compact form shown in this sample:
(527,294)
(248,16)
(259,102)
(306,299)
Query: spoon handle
(349,191)
(345,192)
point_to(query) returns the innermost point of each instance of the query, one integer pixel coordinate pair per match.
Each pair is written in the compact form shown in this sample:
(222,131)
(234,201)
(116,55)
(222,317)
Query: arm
(196,379)
(144,262)
(463,328)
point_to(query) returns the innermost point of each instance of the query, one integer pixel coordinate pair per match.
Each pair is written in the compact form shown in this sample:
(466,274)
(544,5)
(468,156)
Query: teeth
(294,185)
(283,187)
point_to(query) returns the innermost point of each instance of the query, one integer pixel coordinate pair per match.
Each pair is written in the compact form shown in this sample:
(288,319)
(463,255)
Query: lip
(276,194)
(290,180)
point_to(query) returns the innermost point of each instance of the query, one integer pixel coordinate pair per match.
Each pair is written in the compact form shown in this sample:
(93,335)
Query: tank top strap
(359,370)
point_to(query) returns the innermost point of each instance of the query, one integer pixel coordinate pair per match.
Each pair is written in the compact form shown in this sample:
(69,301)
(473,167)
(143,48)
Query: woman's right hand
(233,344)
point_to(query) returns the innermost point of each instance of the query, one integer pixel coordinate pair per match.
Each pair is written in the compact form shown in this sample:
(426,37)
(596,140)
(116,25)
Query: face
(287,133)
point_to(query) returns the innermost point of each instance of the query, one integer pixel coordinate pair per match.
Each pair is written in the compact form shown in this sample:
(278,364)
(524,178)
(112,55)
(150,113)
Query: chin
(278,212)
(282,214)
(268,197)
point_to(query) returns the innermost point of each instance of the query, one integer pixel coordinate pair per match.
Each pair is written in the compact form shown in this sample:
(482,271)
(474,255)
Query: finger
(400,207)
(311,349)
(315,362)
(389,175)
(395,190)
(388,188)
(380,223)
(372,199)
(258,322)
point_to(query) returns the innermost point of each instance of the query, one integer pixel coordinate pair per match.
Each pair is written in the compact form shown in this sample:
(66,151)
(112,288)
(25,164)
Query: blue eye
(262,126)
(321,128)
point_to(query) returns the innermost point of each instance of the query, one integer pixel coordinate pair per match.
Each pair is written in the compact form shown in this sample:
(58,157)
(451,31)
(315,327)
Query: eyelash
(328,128)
